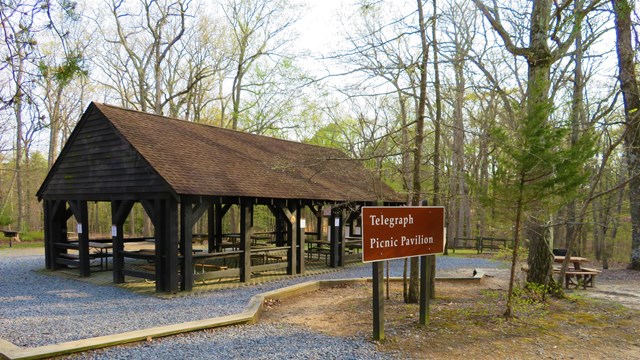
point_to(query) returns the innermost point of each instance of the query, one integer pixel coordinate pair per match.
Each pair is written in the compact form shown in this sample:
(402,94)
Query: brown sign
(399,232)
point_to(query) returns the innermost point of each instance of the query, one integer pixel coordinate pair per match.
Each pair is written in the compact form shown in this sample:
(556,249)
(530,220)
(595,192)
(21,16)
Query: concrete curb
(249,315)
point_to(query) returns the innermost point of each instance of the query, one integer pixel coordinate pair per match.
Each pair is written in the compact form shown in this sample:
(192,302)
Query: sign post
(378,301)
(400,232)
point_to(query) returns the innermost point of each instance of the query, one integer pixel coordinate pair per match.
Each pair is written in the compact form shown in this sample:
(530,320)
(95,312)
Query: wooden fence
(480,244)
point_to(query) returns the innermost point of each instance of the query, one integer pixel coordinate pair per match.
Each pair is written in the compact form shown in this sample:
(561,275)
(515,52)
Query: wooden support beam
(336,226)
(319,215)
(280,221)
(187,219)
(342,244)
(221,210)
(155,209)
(378,300)
(81,213)
(47,206)
(150,207)
(352,216)
(199,209)
(120,209)
(246,210)
(291,216)
(212,238)
(55,230)
(170,240)
(299,238)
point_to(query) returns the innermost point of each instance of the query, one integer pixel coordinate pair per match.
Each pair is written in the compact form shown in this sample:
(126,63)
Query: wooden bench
(583,277)
(210,267)
(275,258)
(319,250)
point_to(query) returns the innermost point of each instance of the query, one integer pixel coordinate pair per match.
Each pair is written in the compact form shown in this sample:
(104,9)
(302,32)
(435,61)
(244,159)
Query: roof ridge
(217,127)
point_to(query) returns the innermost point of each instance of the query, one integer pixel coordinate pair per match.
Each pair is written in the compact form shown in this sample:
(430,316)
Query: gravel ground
(38,309)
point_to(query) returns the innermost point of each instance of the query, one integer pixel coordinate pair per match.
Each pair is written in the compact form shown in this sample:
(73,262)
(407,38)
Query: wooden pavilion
(177,171)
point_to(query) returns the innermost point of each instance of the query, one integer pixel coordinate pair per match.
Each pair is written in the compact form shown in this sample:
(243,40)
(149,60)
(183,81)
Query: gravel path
(38,309)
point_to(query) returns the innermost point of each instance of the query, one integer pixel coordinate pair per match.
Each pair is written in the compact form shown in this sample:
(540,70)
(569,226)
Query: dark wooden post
(220,212)
(292,220)
(300,237)
(55,224)
(337,243)
(424,290)
(170,240)
(343,247)
(212,238)
(60,221)
(81,212)
(48,226)
(164,215)
(281,225)
(119,212)
(154,209)
(334,242)
(186,244)
(378,300)
(426,267)
(319,221)
(246,210)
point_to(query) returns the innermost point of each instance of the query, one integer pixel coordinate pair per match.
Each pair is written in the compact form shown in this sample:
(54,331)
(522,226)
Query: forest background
(432,95)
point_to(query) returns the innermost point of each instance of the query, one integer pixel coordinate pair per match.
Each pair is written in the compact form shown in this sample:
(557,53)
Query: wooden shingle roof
(196,159)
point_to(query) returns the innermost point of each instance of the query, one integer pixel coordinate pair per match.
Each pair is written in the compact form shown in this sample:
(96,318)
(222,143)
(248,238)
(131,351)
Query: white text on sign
(376,243)
(381,220)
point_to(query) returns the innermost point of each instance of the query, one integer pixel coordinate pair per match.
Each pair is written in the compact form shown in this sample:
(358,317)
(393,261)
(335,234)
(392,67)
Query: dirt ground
(466,321)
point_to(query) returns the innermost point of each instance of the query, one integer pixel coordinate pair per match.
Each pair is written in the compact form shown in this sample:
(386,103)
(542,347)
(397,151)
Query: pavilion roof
(197,159)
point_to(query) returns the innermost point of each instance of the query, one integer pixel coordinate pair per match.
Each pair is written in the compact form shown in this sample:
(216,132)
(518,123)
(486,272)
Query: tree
(63,62)
(538,162)
(20,25)
(460,36)
(631,99)
(142,63)
(258,29)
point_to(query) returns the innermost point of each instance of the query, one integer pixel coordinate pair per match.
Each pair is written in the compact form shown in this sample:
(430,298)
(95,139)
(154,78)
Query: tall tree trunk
(55,128)
(17,107)
(237,89)
(436,142)
(414,281)
(516,246)
(539,257)
(631,97)
(438,120)
(577,113)
(539,107)
(458,184)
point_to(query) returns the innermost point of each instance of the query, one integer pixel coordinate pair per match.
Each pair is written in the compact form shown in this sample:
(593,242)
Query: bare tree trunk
(438,119)
(577,112)
(516,246)
(414,281)
(539,252)
(17,108)
(631,97)
(55,128)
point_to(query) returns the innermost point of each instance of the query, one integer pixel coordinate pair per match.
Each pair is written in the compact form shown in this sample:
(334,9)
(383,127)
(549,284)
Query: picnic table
(12,235)
(102,251)
(578,275)
(319,247)
(353,243)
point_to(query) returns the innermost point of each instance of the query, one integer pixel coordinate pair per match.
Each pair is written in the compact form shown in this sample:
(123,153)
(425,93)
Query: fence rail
(480,244)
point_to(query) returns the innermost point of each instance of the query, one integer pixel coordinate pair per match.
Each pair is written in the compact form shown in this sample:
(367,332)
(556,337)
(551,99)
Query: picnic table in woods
(12,235)
(577,275)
